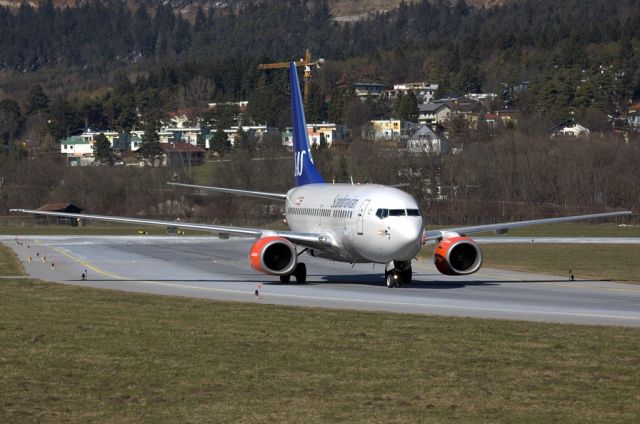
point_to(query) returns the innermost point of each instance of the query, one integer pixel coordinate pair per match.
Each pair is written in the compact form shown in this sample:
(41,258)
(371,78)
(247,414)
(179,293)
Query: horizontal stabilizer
(262,194)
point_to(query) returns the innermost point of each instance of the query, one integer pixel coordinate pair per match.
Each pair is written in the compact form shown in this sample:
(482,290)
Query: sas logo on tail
(299,162)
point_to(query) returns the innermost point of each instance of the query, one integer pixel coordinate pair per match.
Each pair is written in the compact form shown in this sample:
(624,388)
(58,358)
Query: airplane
(354,223)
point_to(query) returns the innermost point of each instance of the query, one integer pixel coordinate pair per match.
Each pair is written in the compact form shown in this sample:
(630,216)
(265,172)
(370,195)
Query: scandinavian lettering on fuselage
(344,202)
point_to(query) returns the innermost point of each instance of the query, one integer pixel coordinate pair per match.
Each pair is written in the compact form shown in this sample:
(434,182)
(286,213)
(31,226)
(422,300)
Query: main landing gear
(400,274)
(300,273)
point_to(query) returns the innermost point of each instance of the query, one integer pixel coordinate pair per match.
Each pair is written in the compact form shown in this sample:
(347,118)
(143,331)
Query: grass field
(616,262)
(70,354)
(603,262)
(9,263)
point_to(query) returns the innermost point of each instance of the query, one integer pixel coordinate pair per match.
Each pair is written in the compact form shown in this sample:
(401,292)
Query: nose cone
(407,235)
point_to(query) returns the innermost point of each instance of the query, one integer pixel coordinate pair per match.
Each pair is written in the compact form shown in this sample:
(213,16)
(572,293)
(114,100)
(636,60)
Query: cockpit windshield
(382,213)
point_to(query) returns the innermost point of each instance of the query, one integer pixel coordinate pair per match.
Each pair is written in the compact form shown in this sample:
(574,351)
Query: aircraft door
(361,213)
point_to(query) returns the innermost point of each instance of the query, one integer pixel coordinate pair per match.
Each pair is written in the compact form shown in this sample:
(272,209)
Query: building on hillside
(391,129)
(182,135)
(470,109)
(634,120)
(58,207)
(484,98)
(427,140)
(182,154)
(241,105)
(164,135)
(501,117)
(90,135)
(316,132)
(466,106)
(78,150)
(369,89)
(328,131)
(569,128)
(241,108)
(433,113)
(185,118)
(424,91)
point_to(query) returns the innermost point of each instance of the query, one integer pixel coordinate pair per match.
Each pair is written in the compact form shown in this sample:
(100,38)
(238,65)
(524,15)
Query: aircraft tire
(406,276)
(285,278)
(300,273)
(391,282)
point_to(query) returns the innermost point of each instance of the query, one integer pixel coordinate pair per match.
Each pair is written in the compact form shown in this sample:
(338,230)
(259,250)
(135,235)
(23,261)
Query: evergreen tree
(242,141)
(11,120)
(62,118)
(38,101)
(339,99)
(220,142)
(102,151)
(150,150)
(315,108)
(407,107)
(343,170)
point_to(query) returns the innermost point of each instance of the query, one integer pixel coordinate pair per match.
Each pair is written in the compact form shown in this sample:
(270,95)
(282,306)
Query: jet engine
(273,255)
(457,256)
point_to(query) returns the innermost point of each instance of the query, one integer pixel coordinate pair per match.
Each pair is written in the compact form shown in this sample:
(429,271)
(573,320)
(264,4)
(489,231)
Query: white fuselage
(368,223)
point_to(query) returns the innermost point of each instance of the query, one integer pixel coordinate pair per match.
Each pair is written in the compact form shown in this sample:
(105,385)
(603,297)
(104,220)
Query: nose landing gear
(393,279)
(399,274)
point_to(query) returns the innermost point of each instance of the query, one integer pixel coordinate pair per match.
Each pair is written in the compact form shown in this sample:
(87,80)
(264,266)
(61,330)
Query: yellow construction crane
(306,62)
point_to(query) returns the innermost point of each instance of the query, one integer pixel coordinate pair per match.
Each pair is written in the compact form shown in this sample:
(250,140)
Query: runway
(207,267)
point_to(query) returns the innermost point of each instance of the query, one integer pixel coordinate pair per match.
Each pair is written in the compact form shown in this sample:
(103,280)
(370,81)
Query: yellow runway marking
(84,263)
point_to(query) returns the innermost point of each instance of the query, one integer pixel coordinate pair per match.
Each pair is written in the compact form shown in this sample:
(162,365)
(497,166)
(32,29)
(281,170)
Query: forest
(574,54)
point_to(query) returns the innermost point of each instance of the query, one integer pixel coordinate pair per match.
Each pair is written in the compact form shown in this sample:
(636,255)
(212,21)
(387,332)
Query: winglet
(304,170)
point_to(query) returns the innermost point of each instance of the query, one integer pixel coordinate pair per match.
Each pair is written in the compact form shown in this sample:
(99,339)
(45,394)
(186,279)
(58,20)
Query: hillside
(342,10)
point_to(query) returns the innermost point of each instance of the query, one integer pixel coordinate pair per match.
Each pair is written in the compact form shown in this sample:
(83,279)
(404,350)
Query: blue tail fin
(304,170)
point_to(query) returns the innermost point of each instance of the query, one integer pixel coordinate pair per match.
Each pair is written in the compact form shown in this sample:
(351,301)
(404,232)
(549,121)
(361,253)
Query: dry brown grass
(70,354)
(618,262)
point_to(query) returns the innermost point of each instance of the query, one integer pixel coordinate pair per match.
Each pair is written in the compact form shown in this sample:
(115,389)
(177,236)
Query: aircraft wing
(312,240)
(262,194)
(504,227)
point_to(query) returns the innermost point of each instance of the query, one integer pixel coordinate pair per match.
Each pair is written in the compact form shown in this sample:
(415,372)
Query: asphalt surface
(208,267)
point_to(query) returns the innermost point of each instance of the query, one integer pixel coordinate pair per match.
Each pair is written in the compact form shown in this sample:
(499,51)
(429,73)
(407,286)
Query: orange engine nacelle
(457,256)
(273,255)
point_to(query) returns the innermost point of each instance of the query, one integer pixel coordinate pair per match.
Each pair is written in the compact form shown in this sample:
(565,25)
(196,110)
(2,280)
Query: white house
(329,131)
(634,120)
(392,129)
(424,91)
(426,140)
(433,113)
(569,128)
(78,149)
